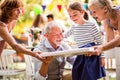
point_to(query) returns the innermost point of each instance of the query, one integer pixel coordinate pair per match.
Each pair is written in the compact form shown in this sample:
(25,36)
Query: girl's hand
(102,61)
(88,54)
(98,50)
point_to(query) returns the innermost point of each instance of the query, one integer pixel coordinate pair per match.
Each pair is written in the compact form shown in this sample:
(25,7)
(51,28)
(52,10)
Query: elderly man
(53,69)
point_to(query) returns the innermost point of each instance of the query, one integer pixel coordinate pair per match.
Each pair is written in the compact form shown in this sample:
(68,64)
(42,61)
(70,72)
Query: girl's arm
(96,35)
(68,33)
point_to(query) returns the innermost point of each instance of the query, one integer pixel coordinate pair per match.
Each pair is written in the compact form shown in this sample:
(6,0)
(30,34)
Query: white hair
(51,25)
(101,4)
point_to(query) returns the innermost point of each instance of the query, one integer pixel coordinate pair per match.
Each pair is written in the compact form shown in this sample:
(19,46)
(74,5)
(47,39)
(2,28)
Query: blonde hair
(101,4)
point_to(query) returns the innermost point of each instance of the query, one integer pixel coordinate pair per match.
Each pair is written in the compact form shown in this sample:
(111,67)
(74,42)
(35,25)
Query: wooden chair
(7,69)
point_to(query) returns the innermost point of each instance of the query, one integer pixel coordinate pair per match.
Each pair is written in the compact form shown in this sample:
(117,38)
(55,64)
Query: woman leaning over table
(10,11)
(103,10)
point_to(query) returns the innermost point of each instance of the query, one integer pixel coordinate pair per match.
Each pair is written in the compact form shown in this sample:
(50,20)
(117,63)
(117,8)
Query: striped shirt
(84,34)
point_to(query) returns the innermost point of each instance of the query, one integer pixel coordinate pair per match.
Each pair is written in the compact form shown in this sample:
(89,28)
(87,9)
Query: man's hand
(47,60)
(44,67)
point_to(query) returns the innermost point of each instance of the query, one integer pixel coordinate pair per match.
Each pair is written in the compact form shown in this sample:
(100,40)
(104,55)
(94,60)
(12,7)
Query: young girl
(86,35)
(102,10)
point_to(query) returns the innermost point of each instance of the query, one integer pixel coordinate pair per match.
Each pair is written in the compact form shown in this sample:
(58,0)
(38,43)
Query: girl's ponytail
(86,15)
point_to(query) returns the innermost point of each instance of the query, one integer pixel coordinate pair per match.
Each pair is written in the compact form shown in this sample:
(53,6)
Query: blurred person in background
(39,21)
(50,17)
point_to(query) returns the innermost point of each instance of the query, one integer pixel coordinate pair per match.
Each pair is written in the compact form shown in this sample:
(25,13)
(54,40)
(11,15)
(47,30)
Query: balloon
(37,9)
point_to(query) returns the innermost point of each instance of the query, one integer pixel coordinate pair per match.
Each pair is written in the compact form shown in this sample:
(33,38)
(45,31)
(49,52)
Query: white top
(84,34)
(67,53)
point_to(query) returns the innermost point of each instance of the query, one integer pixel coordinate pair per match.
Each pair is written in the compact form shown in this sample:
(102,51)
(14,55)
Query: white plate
(78,51)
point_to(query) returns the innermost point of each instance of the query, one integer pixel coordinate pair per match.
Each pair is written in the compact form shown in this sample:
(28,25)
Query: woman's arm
(4,33)
(114,42)
(99,49)
(109,33)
